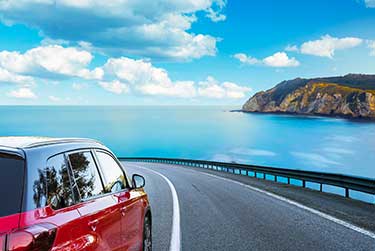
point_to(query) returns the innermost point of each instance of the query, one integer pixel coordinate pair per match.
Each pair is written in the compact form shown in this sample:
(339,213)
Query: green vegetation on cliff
(352,95)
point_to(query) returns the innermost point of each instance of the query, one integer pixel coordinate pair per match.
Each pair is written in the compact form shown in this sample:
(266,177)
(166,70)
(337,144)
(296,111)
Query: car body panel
(131,222)
(9,222)
(111,221)
(101,218)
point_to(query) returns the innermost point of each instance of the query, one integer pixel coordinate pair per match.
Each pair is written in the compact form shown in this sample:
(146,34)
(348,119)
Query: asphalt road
(216,214)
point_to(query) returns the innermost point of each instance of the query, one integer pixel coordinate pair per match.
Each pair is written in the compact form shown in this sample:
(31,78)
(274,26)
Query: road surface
(193,210)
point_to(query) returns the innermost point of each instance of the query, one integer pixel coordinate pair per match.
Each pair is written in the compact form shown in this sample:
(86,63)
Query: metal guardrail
(365,185)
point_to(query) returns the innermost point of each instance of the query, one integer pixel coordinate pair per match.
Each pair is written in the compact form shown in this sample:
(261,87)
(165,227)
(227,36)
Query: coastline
(316,115)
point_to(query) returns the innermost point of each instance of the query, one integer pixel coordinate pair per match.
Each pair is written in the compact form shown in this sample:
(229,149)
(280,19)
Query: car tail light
(35,238)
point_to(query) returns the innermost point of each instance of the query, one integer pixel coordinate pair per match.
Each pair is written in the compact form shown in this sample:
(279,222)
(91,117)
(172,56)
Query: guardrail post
(303,183)
(347,192)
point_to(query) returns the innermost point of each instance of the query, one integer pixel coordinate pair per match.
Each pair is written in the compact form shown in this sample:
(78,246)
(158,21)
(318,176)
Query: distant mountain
(352,96)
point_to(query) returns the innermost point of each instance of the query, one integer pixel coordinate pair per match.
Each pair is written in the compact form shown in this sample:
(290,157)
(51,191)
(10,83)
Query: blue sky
(184,52)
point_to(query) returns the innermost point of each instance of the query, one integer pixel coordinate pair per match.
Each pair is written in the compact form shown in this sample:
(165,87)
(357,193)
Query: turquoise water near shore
(213,133)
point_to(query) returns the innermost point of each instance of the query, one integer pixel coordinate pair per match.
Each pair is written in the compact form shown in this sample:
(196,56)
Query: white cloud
(9,77)
(54,98)
(117,75)
(24,93)
(52,61)
(371,45)
(115,87)
(291,48)
(214,13)
(135,72)
(147,79)
(211,88)
(181,89)
(370,3)
(280,59)
(245,58)
(327,45)
(235,91)
(155,29)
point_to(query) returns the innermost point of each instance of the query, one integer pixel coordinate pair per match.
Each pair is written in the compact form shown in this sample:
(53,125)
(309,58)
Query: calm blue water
(214,133)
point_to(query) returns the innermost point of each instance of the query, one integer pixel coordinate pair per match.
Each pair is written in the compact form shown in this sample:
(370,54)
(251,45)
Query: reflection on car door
(100,219)
(128,201)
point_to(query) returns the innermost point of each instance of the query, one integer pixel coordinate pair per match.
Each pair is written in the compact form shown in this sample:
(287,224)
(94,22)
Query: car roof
(29,142)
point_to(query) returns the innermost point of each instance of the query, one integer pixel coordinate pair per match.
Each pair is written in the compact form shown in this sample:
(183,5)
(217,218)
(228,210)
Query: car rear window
(11,183)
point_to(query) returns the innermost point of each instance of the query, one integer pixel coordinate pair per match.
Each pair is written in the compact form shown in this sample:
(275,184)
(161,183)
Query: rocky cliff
(352,96)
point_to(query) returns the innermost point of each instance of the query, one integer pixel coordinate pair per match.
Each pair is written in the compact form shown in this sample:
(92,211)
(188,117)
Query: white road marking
(294,203)
(175,244)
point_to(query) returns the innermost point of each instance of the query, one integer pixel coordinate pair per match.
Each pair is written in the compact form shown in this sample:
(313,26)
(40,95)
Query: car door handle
(93,224)
(123,210)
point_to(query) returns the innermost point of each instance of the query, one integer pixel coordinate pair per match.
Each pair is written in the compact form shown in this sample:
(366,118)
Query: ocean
(210,132)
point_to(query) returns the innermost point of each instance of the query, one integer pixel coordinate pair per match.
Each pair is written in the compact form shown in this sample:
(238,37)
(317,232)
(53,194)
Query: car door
(100,224)
(127,199)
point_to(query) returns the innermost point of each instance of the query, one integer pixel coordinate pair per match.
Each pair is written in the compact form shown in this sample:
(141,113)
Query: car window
(86,174)
(59,191)
(114,179)
(11,181)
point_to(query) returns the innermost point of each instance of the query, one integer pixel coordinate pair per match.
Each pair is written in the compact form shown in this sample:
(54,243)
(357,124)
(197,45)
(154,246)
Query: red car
(69,194)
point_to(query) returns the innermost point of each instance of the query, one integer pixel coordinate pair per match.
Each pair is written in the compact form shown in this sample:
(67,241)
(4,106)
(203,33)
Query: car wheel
(147,235)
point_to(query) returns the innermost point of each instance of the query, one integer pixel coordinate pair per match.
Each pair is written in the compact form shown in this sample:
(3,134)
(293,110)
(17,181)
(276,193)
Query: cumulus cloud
(150,80)
(215,12)
(243,58)
(24,93)
(52,61)
(155,29)
(327,45)
(211,88)
(291,48)
(117,75)
(279,59)
(10,77)
(135,72)
(115,87)
(182,89)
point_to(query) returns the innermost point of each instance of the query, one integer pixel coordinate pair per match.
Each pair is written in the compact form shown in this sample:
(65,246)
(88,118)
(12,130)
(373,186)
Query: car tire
(147,234)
